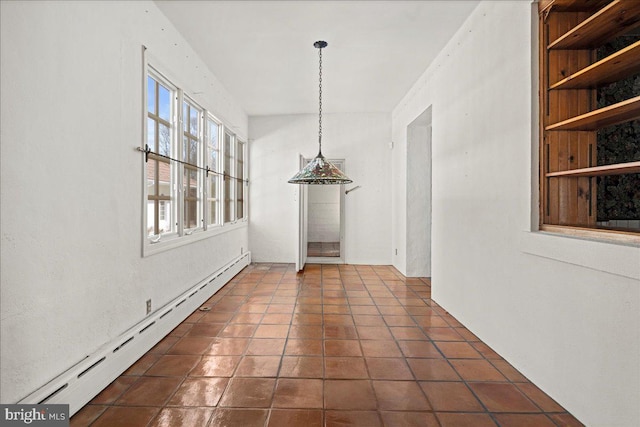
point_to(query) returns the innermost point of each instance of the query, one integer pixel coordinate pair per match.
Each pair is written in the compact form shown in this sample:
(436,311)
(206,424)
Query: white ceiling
(262,51)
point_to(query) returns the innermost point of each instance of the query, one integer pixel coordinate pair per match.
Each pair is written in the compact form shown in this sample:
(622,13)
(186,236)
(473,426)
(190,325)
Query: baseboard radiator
(80,383)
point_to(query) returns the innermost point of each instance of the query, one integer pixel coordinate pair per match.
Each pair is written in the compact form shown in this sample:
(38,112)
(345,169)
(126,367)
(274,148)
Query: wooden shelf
(612,115)
(622,64)
(572,5)
(617,169)
(612,20)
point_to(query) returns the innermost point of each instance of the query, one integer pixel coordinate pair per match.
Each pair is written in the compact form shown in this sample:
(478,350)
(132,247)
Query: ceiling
(262,51)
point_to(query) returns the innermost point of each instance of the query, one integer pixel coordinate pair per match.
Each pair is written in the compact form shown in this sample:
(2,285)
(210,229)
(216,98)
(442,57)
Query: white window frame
(213,175)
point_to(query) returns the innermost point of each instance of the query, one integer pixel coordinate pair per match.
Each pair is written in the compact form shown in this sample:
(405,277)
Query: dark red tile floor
(336,346)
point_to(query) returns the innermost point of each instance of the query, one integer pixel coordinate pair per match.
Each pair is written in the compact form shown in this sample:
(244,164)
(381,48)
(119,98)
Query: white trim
(81,382)
(600,255)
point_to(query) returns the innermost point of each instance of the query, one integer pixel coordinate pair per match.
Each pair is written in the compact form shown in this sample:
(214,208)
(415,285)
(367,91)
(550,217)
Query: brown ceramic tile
(400,396)
(298,393)
(342,348)
(228,346)
(258,366)
(368,320)
(485,350)
(247,317)
(337,309)
(524,420)
(374,333)
(375,348)
(407,333)
(181,330)
(236,330)
(126,415)
(191,345)
(113,391)
(405,320)
(295,418)
(253,308)
(302,367)
(433,370)
(345,367)
(423,349)
(541,399)
(199,392)
(239,417)
(364,310)
(566,420)
(215,366)
(450,396)
(502,397)
(205,330)
(164,345)
(171,365)
(266,346)
(169,417)
(349,395)
(509,371)
(340,332)
(142,364)
(308,309)
(458,350)
(248,393)
(276,319)
(149,391)
(307,319)
(465,420)
(298,347)
(306,331)
(272,331)
(409,419)
(388,369)
(352,419)
(443,334)
(476,370)
(87,415)
(217,317)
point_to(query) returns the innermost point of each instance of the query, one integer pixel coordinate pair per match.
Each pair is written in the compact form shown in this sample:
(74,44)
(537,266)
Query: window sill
(619,258)
(149,248)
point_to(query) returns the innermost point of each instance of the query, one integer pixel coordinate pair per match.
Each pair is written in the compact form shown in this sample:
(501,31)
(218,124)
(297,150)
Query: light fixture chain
(320,103)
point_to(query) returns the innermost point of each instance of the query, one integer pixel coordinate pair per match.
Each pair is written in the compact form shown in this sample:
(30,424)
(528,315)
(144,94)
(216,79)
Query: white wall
(71,183)
(362,139)
(324,213)
(565,312)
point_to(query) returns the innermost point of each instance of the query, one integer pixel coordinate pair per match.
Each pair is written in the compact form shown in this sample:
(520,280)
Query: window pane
(151,230)
(190,198)
(164,178)
(151,95)
(151,177)
(166,225)
(164,140)
(193,122)
(212,220)
(164,102)
(213,135)
(151,134)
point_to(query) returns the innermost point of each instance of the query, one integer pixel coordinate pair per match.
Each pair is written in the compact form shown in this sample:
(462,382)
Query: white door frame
(340,163)
(301,246)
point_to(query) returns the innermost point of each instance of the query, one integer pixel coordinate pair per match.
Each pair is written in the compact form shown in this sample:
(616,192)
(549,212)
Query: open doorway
(419,196)
(321,222)
(323,230)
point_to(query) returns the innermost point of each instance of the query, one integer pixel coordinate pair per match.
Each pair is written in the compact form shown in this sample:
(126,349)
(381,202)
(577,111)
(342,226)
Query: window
(589,108)
(192,158)
(213,179)
(194,184)
(160,173)
(240,179)
(229,182)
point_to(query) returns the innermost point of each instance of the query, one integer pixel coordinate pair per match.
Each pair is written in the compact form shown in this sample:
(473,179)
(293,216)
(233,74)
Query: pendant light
(320,170)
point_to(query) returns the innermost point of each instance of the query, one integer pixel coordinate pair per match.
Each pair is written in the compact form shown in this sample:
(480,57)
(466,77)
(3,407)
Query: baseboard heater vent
(81,382)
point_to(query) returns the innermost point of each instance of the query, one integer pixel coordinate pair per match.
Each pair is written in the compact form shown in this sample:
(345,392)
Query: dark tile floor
(336,346)
(323,249)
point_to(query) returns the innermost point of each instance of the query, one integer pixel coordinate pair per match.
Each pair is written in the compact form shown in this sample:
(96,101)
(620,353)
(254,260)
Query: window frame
(181,235)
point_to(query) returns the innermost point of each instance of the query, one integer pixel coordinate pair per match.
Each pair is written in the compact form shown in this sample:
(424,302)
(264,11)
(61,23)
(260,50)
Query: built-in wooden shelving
(613,20)
(617,169)
(608,116)
(572,5)
(622,64)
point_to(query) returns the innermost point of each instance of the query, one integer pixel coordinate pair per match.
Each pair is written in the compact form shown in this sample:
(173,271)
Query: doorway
(321,222)
(419,196)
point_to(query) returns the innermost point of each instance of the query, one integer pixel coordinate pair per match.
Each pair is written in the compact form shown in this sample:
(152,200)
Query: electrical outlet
(148,306)
(241,250)
(396,252)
